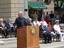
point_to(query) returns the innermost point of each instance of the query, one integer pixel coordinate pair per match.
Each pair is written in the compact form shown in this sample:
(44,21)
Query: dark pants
(6,33)
(47,37)
(2,32)
(57,37)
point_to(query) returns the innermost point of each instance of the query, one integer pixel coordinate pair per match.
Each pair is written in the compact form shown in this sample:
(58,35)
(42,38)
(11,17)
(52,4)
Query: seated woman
(57,30)
(45,33)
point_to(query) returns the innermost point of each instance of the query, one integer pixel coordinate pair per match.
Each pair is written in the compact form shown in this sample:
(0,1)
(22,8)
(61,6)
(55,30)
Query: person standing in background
(52,17)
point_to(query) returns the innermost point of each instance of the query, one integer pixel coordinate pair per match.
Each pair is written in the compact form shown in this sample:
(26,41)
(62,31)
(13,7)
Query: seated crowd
(7,28)
(48,29)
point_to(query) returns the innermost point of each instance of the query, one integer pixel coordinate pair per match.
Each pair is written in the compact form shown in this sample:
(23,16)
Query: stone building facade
(50,7)
(10,8)
(5,8)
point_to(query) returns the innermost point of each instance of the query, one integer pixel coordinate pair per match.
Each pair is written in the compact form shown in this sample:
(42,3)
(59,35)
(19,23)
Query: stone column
(26,9)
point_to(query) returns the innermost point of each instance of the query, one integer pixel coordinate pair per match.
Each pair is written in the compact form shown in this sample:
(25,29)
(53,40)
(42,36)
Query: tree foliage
(47,1)
(59,4)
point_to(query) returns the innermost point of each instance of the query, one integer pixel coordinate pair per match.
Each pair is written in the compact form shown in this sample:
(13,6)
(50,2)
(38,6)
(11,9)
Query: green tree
(59,3)
(47,1)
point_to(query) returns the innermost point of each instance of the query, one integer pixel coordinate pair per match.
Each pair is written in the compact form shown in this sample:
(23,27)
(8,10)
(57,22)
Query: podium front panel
(27,39)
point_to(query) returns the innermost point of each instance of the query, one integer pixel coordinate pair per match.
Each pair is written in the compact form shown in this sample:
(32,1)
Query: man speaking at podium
(21,21)
(25,36)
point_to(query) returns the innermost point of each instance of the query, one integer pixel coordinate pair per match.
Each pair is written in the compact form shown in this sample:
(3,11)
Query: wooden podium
(28,37)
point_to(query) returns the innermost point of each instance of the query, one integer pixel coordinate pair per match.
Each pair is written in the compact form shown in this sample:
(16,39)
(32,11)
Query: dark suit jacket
(22,22)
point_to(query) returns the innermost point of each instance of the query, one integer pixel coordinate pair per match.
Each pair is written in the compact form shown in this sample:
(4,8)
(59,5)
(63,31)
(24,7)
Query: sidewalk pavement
(8,43)
(6,40)
(12,43)
(53,45)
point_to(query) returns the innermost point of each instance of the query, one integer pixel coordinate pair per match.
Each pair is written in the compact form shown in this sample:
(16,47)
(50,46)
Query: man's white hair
(57,21)
(20,12)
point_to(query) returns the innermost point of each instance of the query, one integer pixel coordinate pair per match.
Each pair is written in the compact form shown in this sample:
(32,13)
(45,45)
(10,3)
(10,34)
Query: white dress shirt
(57,28)
(44,23)
(35,23)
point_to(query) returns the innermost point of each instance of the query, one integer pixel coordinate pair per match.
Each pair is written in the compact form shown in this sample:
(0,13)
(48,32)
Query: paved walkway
(53,45)
(8,43)
(12,43)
